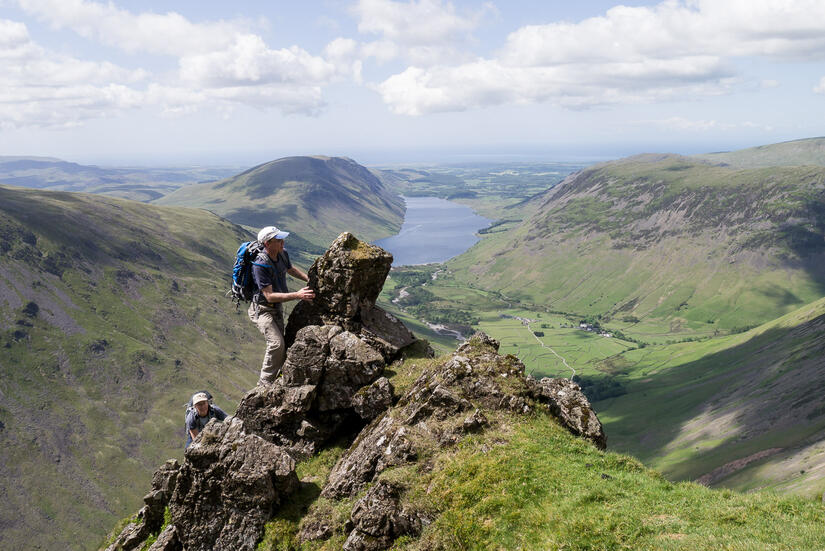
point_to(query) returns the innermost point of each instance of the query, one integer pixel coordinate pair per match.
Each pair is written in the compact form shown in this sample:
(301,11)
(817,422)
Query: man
(197,418)
(266,311)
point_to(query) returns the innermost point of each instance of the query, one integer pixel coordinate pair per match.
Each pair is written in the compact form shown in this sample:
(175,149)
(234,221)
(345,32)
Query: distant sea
(434,230)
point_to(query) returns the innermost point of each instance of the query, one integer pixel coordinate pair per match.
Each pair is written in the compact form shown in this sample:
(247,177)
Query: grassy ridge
(529,484)
(113,314)
(810,151)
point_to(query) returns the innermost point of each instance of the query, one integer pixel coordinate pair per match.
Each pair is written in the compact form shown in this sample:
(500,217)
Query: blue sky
(383,81)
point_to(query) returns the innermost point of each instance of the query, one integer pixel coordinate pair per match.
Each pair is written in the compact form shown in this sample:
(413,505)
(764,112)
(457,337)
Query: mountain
(314,198)
(809,151)
(140,184)
(113,314)
(668,240)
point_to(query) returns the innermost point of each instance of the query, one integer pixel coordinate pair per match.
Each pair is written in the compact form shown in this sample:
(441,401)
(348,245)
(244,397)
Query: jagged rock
(378,519)
(307,357)
(133,535)
(346,281)
(433,413)
(167,540)
(150,517)
(163,486)
(479,338)
(475,422)
(373,400)
(385,332)
(324,369)
(316,529)
(228,486)
(381,445)
(352,364)
(569,404)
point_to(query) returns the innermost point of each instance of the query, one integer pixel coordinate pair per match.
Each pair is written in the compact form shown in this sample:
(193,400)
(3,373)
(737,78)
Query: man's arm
(297,273)
(192,426)
(271,296)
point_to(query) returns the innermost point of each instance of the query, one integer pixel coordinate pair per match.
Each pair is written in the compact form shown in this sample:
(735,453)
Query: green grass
(544,490)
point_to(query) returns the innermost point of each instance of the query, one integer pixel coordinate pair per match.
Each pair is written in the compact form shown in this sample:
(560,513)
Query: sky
(392,82)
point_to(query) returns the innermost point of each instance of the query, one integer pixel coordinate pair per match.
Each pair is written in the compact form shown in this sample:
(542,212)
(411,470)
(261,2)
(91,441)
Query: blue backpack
(243,284)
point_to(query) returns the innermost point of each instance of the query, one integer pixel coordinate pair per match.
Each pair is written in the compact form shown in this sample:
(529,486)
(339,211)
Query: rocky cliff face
(237,473)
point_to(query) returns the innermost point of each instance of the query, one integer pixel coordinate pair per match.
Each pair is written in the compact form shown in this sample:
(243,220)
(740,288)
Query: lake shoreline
(434,231)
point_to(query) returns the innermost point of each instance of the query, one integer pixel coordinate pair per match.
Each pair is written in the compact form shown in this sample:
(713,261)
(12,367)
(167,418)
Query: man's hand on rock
(306,294)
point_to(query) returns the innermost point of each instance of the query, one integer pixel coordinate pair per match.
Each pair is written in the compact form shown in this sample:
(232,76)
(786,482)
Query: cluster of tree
(600,388)
(416,296)
(411,278)
(443,314)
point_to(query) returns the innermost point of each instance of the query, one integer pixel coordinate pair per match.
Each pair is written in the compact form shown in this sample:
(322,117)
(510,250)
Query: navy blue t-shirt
(273,274)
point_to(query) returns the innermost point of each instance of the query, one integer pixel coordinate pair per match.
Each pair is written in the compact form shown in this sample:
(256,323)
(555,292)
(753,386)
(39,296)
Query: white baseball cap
(271,232)
(199,397)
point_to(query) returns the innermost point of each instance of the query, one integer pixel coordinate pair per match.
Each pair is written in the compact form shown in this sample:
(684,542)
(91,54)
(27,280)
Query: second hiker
(266,311)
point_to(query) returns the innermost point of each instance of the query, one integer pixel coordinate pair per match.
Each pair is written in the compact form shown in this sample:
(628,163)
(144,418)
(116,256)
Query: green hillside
(810,151)
(113,314)
(743,411)
(668,240)
(315,198)
(528,484)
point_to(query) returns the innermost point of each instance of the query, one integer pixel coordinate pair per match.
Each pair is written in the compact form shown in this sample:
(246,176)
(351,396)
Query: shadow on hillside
(763,393)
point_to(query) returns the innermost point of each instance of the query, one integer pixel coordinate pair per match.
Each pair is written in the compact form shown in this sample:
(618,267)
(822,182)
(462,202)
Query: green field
(665,382)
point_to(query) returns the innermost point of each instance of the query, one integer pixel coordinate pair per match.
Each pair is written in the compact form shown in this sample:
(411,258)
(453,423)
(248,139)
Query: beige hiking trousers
(270,322)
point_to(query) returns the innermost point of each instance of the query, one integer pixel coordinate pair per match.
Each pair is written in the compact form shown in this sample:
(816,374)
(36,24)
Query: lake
(434,230)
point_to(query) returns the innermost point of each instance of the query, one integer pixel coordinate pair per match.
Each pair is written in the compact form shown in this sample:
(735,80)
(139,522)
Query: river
(434,230)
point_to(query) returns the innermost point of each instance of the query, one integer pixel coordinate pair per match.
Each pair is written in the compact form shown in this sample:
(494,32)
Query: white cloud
(678,48)
(170,33)
(422,31)
(820,88)
(249,61)
(220,64)
(42,88)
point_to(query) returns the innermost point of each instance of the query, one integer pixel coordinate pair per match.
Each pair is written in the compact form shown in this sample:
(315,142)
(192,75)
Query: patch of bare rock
(237,474)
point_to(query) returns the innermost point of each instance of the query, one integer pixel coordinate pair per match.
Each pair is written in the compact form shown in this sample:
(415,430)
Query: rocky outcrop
(237,473)
(228,487)
(346,281)
(569,404)
(441,407)
(325,368)
(149,519)
(378,519)
(444,404)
